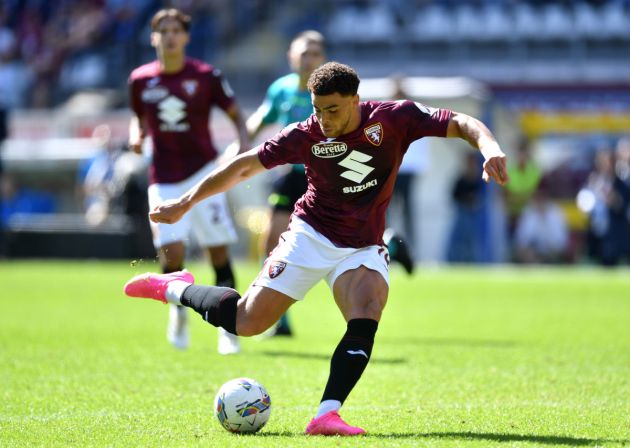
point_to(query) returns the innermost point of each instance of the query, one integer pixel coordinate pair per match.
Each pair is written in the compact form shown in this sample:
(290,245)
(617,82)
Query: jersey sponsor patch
(276,268)
(357,168)
(358,188)
(154,94)
(328,150)
(171,111)
(374,134)
(190,86)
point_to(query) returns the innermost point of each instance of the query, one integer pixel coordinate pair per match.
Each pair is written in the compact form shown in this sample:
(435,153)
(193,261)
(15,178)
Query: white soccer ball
(242,405)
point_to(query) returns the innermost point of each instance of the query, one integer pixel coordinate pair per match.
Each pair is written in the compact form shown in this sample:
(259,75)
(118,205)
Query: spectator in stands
(605,199)
(414,164)
(465,245)
(129,196)
(622,171)
(7,51)
(2,223)
(622,164)
(95,176)
(541,234)
(524,178)
(42,49)
(114,182)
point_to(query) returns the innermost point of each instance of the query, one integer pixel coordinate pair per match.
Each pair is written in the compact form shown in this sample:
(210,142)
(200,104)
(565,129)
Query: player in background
(171,99)
(351,151)
(288,101)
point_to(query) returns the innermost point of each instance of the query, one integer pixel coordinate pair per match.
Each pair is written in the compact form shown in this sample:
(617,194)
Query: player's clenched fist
(495,168)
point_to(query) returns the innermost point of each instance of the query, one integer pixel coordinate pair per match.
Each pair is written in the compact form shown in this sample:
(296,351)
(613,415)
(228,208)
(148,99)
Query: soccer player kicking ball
(351,151)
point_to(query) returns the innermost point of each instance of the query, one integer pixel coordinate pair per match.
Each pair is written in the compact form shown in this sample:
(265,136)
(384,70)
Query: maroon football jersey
(351,177)
(175,109)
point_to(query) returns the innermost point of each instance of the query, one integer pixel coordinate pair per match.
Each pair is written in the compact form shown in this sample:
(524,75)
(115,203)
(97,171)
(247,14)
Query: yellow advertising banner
(537,123)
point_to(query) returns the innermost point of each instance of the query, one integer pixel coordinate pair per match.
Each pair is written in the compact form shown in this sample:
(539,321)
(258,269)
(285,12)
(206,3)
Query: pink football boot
(330,424)
(153,286)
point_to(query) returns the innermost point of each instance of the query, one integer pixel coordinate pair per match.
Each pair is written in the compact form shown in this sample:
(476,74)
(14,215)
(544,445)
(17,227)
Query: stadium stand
(57,48)
(544,62)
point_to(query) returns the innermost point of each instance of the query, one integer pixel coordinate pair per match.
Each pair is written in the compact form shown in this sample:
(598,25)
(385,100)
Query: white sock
(327,406)
(174,291)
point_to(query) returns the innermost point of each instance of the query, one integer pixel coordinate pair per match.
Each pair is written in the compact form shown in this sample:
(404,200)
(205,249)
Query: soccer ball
(242,405)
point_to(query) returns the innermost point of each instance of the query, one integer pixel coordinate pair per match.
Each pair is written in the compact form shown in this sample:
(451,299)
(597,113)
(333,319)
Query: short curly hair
(334,77)
(170,13)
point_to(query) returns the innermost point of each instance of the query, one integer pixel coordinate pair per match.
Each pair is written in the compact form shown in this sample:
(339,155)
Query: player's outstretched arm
(234,112)
(254,125)
(479,136)
(221,179)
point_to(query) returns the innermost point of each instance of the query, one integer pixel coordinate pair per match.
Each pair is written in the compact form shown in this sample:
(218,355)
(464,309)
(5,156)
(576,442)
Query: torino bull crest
(276,268)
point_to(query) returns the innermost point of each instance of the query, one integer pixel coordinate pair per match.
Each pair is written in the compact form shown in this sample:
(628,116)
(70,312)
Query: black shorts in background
(286,190)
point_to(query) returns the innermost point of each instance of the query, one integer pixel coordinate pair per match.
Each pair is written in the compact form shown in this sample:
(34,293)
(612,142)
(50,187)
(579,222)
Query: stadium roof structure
(422,87)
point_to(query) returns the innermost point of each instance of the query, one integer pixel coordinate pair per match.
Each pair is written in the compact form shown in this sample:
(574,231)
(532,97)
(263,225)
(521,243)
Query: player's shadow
(321,357)
(264,433)
(453,342)
(510,438)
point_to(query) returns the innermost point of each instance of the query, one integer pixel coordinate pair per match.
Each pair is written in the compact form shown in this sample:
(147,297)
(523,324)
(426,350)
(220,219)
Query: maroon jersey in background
(175,110)
(351,177)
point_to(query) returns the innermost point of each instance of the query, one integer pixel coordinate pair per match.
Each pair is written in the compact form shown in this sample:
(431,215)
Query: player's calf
(216,304)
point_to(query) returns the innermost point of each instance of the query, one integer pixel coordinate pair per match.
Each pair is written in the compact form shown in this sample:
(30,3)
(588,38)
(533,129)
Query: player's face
(336,114)
(170,38)
(304,57)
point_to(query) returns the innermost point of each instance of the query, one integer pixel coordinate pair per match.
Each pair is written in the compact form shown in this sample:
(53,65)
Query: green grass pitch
(469,357)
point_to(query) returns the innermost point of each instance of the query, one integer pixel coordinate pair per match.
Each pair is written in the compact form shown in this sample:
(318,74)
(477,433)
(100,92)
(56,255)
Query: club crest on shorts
(374,134)
(276,268)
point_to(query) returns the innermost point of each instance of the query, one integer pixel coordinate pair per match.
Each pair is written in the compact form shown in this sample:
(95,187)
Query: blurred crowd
(548,220)
(49,49)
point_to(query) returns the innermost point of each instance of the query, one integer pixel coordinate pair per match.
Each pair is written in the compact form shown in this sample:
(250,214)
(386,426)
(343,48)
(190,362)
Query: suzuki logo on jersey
(355,163)
(328,150)
(374,134)
(357,188)
(172,110)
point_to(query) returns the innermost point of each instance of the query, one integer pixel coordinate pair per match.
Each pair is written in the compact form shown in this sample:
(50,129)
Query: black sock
(168,271)
(350,359)
(224,276)
(216,304)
